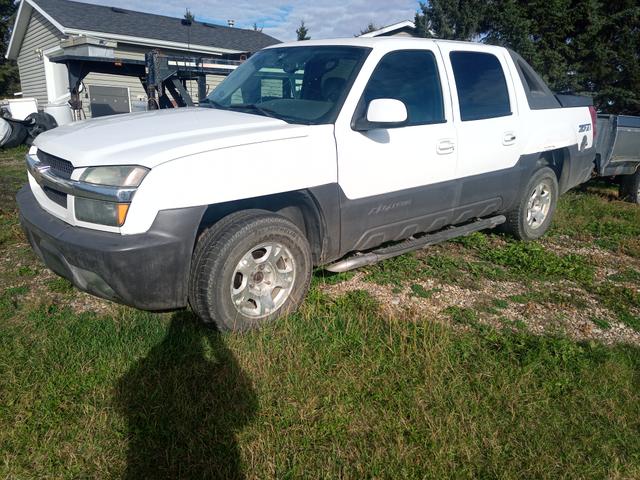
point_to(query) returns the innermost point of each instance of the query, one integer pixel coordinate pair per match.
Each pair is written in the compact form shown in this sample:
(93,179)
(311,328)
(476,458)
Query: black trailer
(164,77)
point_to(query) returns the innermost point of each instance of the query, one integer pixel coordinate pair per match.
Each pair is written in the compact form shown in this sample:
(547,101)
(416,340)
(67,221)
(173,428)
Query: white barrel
(20,108)
(61,112)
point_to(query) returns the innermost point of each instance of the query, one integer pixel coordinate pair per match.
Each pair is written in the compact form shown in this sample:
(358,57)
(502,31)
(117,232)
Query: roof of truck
(373,42)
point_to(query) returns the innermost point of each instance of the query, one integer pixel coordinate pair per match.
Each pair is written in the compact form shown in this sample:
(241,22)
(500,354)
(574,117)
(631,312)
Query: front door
(396,182)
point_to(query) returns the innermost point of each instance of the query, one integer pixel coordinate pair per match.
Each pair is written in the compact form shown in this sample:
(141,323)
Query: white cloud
(324,19)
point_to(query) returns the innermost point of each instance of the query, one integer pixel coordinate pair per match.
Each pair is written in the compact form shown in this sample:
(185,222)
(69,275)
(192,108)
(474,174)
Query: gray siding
(213,81)
(40,34)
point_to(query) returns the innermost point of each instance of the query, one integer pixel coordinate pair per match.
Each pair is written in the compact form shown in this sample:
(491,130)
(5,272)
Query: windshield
(295,84)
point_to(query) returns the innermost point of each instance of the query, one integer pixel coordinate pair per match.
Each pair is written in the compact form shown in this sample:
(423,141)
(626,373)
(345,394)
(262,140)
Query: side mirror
(383,113)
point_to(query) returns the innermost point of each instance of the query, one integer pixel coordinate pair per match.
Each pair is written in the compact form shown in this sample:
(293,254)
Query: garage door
(108,100)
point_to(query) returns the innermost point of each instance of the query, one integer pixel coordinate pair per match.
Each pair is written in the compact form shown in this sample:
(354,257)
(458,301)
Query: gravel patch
(538,318)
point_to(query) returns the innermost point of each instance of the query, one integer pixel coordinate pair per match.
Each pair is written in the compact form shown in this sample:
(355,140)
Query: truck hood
(152,138)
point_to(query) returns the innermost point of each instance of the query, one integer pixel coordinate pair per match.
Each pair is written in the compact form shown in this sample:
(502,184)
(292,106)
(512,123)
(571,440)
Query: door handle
(445,147)
(509,138)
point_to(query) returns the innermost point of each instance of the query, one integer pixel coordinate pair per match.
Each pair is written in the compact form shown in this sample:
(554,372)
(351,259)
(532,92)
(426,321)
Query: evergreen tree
(584,46)
(9,78)
(302,32)
(610,58)
(371,27)
(189,17)
(453,20)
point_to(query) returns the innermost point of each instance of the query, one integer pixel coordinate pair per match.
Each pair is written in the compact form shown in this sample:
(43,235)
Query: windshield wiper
(267,112)
(252,106)
(213,103)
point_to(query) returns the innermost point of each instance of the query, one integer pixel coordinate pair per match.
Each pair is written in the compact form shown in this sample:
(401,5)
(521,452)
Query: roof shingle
(98,18)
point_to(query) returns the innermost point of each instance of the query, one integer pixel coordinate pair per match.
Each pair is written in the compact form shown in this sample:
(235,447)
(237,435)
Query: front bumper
(149,271)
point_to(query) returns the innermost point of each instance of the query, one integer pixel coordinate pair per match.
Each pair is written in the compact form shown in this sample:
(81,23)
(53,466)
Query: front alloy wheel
(263,280)
(249,268)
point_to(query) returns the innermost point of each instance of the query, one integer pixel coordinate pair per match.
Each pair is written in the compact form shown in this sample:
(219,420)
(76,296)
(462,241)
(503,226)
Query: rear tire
(248,269)
(630,187)
(532,215)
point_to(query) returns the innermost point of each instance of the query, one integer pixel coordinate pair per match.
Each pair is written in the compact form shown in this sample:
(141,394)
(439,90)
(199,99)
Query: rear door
(487,124)
(397,181)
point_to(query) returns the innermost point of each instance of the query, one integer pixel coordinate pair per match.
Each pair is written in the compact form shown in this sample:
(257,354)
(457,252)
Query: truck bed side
(617,145)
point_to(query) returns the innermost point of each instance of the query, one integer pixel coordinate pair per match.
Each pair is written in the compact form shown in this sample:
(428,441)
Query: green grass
(532,260)
(550,297)
(608,223)
(12,177)
(60,285)
(338,390)
(419,291)
(601,323)
(462,315)
(335,391)
(623,301)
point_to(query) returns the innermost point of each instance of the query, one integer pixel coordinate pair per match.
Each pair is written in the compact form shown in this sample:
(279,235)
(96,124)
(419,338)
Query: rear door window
(481,85)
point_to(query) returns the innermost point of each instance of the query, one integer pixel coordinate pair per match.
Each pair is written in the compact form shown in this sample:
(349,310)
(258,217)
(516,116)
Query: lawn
(479,358)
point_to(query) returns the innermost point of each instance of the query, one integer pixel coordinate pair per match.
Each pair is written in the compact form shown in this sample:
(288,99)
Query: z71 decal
(585,127)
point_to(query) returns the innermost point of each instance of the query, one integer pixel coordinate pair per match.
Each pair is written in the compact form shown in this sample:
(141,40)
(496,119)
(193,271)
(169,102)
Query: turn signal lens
(123,208)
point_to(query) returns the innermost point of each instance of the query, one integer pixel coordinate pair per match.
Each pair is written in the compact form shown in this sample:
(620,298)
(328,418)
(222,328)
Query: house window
(482,88)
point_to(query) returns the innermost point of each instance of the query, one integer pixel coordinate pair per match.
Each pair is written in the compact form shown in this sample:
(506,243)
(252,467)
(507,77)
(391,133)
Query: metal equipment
(164,77)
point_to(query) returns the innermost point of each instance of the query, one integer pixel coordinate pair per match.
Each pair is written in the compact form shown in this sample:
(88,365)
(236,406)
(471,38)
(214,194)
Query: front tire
(630,187)
(532,216)
(248,269)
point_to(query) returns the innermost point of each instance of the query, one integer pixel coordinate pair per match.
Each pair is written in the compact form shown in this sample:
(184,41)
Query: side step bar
(361,259)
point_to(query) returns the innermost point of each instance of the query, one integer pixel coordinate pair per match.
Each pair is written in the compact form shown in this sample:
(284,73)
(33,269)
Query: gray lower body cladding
(147,271)
(371,221)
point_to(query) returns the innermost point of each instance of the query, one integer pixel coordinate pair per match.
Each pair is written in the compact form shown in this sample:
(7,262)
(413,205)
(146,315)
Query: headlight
(98,211)
(116,176)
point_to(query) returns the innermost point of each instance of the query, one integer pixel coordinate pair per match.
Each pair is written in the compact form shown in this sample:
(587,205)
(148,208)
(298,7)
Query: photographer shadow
(184,404)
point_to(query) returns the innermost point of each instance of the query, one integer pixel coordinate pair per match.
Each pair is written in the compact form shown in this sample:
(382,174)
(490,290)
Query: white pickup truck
(336,153)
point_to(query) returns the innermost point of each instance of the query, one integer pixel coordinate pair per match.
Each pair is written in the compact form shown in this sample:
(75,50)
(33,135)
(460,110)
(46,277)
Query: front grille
(55,196)
(59,167)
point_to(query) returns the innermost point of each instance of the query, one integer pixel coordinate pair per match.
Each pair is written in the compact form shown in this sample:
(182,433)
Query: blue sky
(280,18)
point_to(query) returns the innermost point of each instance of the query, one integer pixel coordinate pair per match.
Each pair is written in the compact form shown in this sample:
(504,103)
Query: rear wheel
(532,216)
(630,187)
(250,268)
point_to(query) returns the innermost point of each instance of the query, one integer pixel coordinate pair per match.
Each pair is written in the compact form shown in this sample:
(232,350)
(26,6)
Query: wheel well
(557,160)
(298,206)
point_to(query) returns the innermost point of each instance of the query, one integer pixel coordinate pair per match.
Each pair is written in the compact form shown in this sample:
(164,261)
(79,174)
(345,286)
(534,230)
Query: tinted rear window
(482,88)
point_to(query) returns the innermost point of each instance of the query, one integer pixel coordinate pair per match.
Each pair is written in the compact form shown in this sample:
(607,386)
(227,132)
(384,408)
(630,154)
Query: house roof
(129,26)
(406,24)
